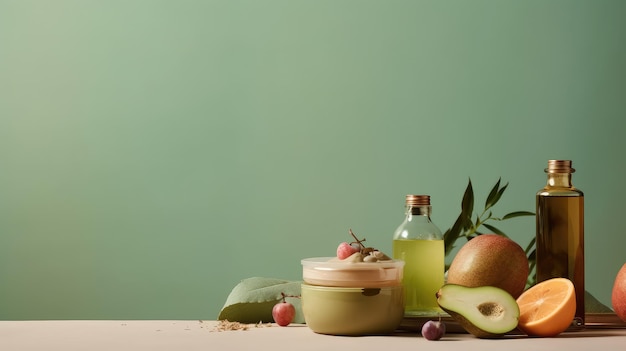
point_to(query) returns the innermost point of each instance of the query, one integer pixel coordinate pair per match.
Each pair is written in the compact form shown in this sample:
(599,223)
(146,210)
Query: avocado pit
(491,310)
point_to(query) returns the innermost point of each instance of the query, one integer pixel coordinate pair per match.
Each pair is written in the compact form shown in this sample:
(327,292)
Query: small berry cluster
(369,254)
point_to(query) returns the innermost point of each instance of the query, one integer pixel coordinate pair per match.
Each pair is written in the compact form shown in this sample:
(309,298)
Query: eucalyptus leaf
(252,300)
(467,206)
(500,192)
(593,305)
(492,195)
(448,241)
(531,253)
(494,229)
(452,234)
(518,214)
(464,227)
(530,246)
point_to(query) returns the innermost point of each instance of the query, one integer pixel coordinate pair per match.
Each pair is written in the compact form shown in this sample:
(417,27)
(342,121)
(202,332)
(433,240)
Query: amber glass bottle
(560,232)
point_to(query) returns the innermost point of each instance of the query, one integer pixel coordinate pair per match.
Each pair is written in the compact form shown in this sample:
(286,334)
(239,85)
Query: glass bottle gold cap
(559,166)
(418,200)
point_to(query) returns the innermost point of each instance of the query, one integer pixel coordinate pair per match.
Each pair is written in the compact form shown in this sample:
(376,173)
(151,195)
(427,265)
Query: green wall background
(154,153)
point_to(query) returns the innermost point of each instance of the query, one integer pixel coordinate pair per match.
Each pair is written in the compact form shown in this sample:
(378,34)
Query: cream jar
(352,298)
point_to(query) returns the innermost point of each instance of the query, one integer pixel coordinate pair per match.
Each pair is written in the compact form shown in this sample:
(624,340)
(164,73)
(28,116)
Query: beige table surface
(201,335)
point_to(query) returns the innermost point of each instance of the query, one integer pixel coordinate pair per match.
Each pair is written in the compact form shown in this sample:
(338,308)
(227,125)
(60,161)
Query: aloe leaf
(517,214)
(252,300)
(492,195)
(494,229)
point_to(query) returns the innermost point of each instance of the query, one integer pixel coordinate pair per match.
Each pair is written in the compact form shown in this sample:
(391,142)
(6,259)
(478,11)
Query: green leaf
(593,305)
(530,246)
(494,229)
(491,198)
(499,193)
(467,226)
(517,214)
(531,254)
(452,234)
(467,205)
(252,300)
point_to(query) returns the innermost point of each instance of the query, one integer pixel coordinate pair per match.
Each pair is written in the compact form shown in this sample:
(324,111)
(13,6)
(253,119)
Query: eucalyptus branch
(465,227)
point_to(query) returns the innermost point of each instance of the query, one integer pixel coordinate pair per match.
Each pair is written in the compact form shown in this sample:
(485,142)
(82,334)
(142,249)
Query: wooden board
(592,321)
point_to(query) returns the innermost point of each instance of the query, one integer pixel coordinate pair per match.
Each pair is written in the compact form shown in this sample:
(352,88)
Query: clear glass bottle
(419,243)
(560,232)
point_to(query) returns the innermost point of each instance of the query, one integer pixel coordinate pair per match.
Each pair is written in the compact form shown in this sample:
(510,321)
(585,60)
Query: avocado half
(485,312)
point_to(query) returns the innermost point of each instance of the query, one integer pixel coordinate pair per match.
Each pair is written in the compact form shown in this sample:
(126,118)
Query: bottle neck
(559,180)
(421,210)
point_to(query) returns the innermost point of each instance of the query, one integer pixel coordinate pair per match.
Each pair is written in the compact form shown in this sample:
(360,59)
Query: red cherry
(283,313)
(345,250)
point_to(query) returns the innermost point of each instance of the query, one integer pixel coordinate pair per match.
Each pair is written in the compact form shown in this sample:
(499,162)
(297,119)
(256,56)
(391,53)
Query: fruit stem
(285,296)
(360,242)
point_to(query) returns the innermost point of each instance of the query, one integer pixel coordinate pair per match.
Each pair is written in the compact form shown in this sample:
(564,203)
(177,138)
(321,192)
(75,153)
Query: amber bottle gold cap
(559,166)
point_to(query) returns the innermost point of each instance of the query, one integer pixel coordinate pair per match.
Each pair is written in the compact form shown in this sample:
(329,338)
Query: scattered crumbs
(226,325)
